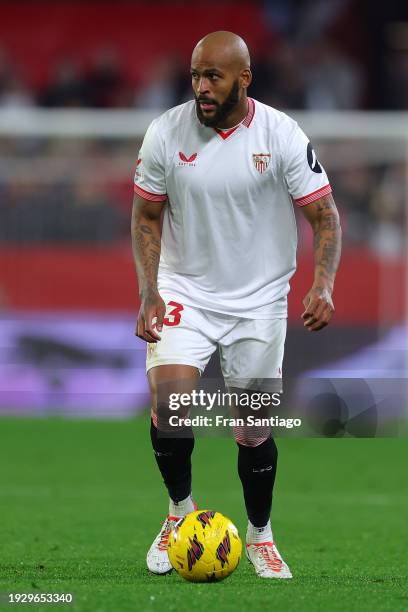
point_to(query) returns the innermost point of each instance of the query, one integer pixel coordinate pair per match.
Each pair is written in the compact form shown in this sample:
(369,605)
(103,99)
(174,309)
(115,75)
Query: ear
(245,78)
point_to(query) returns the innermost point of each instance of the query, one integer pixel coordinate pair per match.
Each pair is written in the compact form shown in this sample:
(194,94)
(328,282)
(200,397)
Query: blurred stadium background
(81,501)
(80,82)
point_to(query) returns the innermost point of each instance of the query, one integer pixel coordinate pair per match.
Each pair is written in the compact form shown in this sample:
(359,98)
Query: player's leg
(257,469)
(174,365)
(172,449)
(251,352)
(172,454)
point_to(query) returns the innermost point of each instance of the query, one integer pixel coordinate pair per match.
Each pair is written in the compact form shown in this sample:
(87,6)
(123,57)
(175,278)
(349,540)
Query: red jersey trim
(246,121)
(224,135)
(313,196)
(250,114)
(153,197)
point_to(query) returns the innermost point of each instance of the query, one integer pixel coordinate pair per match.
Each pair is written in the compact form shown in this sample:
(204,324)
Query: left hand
(319,308)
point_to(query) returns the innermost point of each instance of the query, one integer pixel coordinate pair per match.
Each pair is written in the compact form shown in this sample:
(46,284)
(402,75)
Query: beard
(222,111)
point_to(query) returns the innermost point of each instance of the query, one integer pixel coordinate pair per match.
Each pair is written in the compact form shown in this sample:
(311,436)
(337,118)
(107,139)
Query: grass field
(81,502)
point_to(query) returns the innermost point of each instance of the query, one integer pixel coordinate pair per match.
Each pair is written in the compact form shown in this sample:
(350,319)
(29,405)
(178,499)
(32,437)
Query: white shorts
(249,348)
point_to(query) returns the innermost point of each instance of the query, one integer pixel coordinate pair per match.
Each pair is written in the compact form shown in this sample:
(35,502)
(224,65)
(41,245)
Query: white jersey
(229,232)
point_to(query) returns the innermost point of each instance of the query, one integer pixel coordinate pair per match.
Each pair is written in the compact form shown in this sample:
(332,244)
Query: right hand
(152,307)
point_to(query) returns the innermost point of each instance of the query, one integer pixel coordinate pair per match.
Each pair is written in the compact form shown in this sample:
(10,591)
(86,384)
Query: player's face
(217,94)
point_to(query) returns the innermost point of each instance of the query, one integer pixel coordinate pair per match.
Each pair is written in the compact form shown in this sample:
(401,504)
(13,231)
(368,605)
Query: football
(204,546)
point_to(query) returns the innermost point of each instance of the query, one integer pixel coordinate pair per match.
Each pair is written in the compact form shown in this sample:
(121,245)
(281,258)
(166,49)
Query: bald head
(220,72)
(224,48)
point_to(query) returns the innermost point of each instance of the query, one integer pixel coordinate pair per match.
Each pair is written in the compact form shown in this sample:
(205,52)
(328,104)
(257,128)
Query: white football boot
(267,561)
(157,558)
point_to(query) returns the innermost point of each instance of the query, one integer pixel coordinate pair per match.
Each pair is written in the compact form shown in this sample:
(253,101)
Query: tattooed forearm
(329,256)
(316,241)
(327,241)
(146,248)
(330,221)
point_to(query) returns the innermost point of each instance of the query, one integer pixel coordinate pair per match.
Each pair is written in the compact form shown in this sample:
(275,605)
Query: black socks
(173,456)
(257,469)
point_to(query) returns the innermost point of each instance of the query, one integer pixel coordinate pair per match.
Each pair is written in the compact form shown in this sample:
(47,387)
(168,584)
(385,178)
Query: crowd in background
(319,76)
(318,59)
(81,191)
(313,75)
(319,54)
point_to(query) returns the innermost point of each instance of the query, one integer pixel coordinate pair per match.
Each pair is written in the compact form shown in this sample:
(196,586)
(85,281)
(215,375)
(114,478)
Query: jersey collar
(250,113)
(247,120)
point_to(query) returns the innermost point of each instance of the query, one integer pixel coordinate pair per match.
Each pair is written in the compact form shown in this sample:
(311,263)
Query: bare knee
(166,380)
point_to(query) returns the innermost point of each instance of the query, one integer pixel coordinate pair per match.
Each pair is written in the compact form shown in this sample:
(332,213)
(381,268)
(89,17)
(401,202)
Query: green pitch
(82,500)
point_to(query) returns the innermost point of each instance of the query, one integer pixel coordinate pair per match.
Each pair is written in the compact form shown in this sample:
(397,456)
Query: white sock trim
(181,508)
(257,535)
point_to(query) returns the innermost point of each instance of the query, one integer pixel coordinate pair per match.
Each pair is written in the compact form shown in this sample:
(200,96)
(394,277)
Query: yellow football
(204,546)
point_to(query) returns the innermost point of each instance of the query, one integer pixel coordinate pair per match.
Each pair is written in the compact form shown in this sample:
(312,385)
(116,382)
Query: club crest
(261,161)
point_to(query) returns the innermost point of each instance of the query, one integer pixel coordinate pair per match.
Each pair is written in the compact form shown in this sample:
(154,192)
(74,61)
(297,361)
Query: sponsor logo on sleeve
(139,173)
(312,160)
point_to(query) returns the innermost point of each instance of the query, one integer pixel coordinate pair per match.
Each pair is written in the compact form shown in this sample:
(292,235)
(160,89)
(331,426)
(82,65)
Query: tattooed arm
(324,219)
(146,237)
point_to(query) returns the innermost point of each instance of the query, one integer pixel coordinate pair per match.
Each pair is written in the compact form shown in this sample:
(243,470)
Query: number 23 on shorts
(173,316)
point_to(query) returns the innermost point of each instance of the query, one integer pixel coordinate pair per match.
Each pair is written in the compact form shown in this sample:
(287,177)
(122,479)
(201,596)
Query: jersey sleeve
(150,179)
(305,177)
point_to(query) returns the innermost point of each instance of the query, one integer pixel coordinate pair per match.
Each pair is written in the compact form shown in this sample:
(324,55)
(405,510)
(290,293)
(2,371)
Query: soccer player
(214,241)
